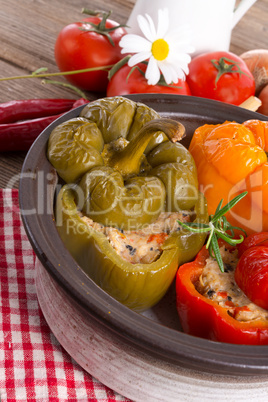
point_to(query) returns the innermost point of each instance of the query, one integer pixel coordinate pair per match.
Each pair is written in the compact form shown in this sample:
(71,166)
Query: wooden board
(28,30)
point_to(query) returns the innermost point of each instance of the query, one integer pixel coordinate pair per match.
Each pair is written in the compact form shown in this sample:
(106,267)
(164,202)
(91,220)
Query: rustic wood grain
(28,30)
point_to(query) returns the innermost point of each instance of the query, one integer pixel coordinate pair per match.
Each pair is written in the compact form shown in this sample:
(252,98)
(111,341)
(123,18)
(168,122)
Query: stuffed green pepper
(127,183)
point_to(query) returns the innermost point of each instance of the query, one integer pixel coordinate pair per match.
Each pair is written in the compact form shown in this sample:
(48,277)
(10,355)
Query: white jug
(209,21)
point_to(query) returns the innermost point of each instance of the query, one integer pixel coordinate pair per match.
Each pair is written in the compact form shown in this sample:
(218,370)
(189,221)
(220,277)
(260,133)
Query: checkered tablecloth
(33,365)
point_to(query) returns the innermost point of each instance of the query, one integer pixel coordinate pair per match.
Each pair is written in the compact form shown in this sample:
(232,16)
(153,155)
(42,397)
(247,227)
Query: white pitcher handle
(241,9)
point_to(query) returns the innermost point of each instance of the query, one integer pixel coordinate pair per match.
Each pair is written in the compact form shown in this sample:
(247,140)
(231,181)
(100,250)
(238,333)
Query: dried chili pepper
(16,110)
(22,121)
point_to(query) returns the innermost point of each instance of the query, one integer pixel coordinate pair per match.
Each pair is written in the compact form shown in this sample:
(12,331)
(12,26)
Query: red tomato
(222,76)
(251,273)
(123,83)
(77,49)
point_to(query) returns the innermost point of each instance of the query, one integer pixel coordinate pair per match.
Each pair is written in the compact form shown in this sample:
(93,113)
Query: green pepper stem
(128,160)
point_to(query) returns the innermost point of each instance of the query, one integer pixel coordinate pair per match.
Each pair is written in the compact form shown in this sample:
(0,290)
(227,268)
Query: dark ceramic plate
(154,336)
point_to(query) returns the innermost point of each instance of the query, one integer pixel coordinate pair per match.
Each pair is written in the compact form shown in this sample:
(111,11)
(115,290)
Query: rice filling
(222,288)
(145,245)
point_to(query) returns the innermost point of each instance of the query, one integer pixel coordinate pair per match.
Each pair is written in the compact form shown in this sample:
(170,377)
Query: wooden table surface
(28,30)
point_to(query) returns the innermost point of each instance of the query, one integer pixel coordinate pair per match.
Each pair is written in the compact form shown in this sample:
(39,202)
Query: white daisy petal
(152,72)
(184,48)
(181,39)
(179,74)
(152,26)
(163,23)
(171,73)
(134,43)
(179,63)
(183,45)
(147,27)
(184,57)
(176,74)
(177,58)
(138,57)
(166,72)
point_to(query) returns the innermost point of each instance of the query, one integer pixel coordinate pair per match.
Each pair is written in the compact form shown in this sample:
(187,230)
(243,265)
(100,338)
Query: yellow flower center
(160,49)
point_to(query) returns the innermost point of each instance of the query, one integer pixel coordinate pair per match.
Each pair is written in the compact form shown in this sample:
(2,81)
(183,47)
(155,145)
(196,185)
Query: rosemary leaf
(216,250)
(218,228)
(195,227)
(230,240)
(227,207)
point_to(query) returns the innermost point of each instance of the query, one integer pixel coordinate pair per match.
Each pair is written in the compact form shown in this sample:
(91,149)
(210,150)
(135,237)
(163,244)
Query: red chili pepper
(17,134)
(16,110)
(204,317)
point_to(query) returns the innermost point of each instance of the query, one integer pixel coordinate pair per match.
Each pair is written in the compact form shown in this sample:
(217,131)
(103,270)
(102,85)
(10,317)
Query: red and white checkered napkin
(33,365)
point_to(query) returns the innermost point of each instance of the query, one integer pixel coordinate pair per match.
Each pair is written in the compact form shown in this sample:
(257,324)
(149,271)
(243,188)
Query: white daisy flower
(166,52)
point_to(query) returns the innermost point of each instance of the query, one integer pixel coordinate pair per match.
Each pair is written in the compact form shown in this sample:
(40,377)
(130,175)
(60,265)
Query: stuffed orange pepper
(232,158)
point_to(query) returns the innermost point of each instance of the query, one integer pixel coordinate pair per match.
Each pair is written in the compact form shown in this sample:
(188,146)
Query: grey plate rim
(153,338)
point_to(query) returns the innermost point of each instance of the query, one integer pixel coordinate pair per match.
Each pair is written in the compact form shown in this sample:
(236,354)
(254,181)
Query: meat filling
(142,246)
(222,288)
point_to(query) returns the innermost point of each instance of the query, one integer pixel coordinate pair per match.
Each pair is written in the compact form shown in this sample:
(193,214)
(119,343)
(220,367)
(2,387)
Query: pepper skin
(203,317)
(251,273)
(75,146)
(127,169)
(120,165)
(231,158)
(138,286)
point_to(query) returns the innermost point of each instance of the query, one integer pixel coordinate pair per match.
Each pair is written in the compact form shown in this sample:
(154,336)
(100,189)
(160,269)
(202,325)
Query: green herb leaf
(218,228)
(66,85)
(195,227)
(39,71)
(227,207)
(216,251)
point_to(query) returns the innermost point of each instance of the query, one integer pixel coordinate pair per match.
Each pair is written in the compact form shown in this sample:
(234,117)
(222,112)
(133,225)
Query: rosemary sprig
(42,73)
(218,227)
(66,85)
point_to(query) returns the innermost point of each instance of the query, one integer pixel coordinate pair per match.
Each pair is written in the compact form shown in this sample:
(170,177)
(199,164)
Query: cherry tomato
(251,273)
(125,82)
(222,76)
(77,47)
